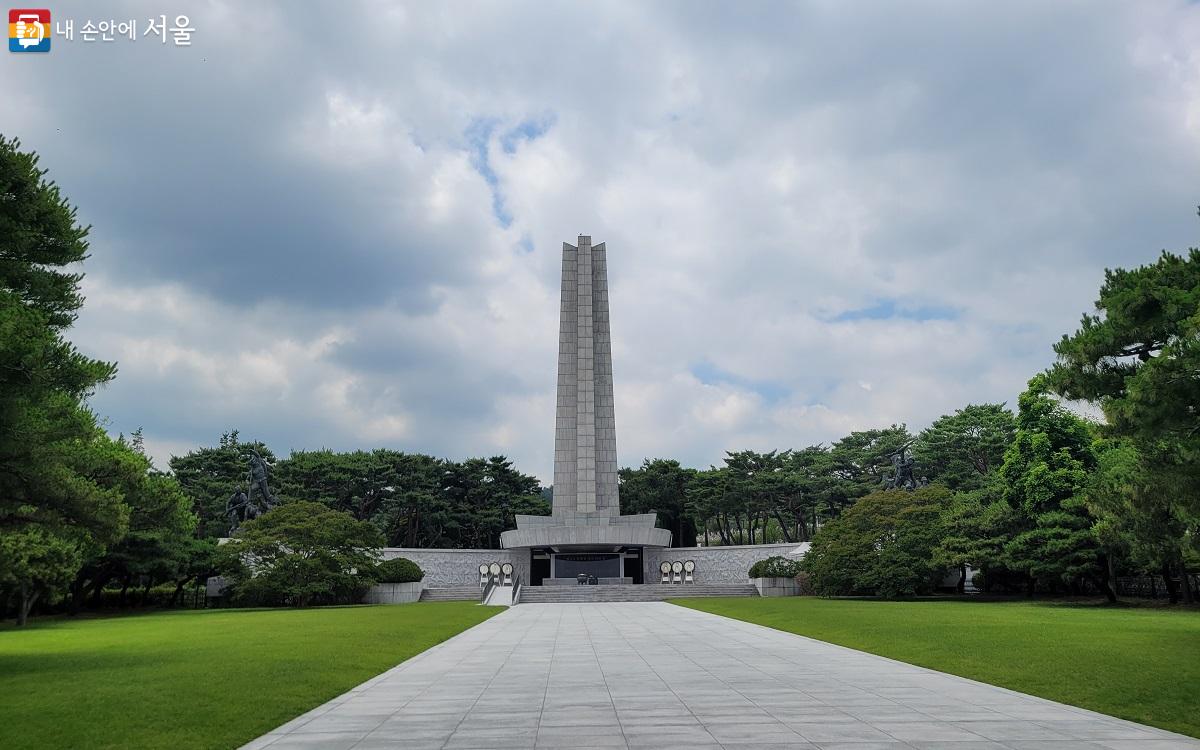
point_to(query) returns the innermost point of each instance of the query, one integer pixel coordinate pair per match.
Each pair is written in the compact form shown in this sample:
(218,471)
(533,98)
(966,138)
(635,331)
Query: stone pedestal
(394,593)
(776,586)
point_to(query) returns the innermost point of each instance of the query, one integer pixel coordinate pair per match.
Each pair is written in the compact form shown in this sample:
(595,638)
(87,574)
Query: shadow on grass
(1077,602)
(43,622)
(73,663)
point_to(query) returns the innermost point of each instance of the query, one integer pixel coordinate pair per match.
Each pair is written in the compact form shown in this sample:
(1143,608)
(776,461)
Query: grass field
(208,679)
(1135,663)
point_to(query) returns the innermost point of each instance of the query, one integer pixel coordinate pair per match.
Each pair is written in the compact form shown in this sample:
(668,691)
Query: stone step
(451,594)
(631,593)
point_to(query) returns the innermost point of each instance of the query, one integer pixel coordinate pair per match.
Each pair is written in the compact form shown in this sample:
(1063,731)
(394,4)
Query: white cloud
(818,219)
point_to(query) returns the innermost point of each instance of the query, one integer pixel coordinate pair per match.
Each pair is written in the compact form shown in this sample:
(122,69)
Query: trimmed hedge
(775,567)
(399,570)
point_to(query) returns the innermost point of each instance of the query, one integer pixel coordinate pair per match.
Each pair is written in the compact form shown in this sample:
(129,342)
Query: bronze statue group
(256,500)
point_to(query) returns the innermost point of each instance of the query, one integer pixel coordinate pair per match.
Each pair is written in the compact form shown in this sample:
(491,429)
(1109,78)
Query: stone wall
(459,567)
(714,564)
(393,593)
(776,586)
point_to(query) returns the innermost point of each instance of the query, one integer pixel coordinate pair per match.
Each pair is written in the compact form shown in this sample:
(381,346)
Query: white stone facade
(716,564)
(459,567)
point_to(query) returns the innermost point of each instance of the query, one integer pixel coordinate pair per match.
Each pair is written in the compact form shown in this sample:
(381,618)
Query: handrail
(491,584)
(516,596)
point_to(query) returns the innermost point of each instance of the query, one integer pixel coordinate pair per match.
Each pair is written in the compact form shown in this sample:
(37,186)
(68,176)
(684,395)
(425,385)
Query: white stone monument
(585,526)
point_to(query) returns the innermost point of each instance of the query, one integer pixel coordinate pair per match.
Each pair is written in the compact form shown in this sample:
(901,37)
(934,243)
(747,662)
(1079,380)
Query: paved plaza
(654,675)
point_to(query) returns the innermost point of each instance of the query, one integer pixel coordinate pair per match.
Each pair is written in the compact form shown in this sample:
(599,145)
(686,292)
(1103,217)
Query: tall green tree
(417,512)
(759,481)
(977,524)
(1138,357)
(1045,473)
(485,496)
(36,562)
(962,449)
(158,543)
(660,485)
(51,508)
(805,497)
(714,501)
(357,482)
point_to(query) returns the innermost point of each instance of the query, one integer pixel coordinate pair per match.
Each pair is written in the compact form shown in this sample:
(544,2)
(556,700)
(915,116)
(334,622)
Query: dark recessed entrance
(539,568)
(597,564)
(563,566)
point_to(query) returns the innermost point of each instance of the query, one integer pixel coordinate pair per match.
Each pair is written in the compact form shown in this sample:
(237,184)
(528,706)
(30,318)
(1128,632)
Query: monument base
(590,531)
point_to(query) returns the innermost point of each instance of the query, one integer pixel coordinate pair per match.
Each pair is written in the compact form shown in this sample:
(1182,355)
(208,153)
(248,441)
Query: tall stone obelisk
(585,436)
(586,513)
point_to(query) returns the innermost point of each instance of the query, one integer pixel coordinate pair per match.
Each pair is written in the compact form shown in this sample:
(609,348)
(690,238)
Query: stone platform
(649,592)
(575,582)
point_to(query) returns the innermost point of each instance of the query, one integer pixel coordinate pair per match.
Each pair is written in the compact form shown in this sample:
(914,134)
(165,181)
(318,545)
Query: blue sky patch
(528,130)
(709,374)
(889,309)
(479,136)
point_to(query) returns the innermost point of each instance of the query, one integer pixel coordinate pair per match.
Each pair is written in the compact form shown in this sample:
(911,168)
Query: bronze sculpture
(243,506)
(903,472)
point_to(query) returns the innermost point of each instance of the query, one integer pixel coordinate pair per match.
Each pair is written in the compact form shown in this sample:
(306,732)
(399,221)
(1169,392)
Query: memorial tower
(585,532)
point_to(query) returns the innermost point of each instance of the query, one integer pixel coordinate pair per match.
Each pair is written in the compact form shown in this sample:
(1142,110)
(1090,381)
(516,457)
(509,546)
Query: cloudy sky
(342,227)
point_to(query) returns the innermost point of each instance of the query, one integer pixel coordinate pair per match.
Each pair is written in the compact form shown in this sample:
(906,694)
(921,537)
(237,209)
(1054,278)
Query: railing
(491,584)
(516,596)
(1152,587)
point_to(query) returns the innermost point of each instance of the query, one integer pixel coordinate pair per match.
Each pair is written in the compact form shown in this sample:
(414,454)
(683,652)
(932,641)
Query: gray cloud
(821,217)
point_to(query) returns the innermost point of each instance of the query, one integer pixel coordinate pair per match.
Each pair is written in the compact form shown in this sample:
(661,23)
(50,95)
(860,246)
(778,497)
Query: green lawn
(1137,663)
(207,679)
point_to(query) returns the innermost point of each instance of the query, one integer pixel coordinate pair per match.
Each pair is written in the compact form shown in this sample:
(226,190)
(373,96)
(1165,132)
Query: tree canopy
(1138,358)
(301,553)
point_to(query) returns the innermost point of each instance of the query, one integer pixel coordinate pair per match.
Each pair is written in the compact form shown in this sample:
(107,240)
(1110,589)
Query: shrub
(301,554)
(775,567)
(398,570)
(883,545)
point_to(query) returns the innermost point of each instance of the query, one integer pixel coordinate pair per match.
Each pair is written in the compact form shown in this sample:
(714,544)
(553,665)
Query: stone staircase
(648,592)
(452,594)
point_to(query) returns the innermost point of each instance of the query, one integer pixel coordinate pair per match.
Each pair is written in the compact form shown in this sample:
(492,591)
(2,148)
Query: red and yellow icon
(29,30)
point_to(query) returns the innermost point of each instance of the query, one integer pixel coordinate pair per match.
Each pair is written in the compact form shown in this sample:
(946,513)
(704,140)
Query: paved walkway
(655,675)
